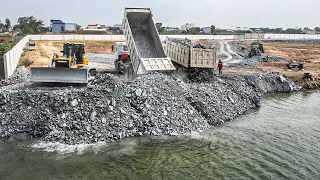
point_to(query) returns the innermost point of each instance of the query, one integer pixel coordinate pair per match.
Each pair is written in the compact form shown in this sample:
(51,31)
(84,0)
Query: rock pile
(19,75)
(189,43)
(110,109)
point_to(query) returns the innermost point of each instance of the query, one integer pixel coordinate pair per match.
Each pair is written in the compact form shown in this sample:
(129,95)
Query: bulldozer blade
(59,75)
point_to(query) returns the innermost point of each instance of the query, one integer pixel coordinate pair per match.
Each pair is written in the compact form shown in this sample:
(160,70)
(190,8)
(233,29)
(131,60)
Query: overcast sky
(222,13)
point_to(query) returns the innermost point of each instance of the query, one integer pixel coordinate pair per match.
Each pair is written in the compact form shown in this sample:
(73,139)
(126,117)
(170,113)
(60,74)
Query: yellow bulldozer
(71,67)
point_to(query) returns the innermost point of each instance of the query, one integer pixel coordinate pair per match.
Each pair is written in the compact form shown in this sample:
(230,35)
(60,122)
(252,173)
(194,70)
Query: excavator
(255,51)
(71,67)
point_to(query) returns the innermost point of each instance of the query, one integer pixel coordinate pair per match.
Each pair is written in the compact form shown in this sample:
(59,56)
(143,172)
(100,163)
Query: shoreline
(111,109)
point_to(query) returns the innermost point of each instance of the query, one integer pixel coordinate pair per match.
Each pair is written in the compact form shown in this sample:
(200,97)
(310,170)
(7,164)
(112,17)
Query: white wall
(11,58)
(162,37)
(292,36)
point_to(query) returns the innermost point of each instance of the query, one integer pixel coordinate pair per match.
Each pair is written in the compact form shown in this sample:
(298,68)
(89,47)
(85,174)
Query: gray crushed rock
(19,75)
(110,109)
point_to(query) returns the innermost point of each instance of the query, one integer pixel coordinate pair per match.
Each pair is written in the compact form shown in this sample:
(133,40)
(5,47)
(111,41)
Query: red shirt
(220,65)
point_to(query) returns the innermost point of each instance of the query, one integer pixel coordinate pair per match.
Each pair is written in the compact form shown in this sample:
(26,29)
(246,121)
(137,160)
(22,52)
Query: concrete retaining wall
(121,37)
(11,58)
(292,36)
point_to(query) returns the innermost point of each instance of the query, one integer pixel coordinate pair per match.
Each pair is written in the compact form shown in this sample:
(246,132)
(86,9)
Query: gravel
(110,109)
(19,75)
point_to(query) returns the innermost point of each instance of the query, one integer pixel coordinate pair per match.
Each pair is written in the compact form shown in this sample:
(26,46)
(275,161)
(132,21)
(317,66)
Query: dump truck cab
(122,56)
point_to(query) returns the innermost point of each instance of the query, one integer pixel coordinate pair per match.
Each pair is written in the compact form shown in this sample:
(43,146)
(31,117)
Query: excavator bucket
(59,75)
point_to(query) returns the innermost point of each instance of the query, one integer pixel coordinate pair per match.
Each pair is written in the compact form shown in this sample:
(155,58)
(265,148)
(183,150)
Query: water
(278,141)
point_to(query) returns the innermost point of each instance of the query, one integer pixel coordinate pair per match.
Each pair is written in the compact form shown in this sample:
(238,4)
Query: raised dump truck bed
(144,44)
(188,56)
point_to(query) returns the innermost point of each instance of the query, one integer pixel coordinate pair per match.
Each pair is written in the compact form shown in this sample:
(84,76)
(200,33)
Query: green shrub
(7,46)
(25,62)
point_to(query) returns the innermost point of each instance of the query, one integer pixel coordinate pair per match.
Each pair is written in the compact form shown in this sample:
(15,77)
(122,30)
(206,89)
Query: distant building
(118,26)
(58,26)
(171,29)
(97,26)
(243,29)
(206,30)
(306,31)
(70,26)
(258,30)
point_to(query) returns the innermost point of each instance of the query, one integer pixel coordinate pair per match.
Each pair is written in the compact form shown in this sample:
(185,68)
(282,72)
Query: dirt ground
(307,54)
(45,49)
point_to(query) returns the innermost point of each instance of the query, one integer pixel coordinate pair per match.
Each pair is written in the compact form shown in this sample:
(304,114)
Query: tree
(213,29)
(195,30)
(7,25)
(317,29)
(159,27)
(29,25)
(1,26)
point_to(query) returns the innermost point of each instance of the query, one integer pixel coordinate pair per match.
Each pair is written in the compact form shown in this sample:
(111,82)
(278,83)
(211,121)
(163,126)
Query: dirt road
(231,57)
(99,53)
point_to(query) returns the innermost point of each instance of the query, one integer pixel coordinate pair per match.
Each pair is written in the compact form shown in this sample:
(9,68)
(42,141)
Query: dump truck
(188,57)
(146,52)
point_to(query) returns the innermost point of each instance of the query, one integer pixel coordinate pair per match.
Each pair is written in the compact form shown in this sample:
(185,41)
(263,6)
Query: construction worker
(112,48)
(220,66)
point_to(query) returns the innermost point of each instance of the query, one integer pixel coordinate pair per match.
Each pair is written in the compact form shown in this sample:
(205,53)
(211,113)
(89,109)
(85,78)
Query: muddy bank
(111,109)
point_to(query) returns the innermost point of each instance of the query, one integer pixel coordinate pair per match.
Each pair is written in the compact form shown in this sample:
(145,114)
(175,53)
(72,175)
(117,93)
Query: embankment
(111,109)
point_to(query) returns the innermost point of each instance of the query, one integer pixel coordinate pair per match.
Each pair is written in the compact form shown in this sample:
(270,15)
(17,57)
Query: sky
(221,13)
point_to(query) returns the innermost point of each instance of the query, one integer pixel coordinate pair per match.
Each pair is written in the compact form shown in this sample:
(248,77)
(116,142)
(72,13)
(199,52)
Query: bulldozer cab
(74,51)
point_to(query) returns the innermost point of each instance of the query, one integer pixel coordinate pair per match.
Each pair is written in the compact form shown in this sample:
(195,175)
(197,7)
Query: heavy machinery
(189,57)
(144,52)
(144,44)
(32,46)
(71,67)
(256,49)
(122,56)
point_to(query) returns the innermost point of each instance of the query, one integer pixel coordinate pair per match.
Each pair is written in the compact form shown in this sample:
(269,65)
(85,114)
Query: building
(306,31)
(70,26)
(5,38)
(118,26)
(171,29)
(246,29)
(206,30)
(97,26)
(258,30)
(58,26)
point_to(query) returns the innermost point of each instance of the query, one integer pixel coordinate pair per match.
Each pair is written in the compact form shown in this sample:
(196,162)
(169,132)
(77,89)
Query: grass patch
(24,62)
(293,46)
(7,46)
(313,67)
